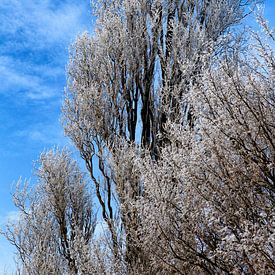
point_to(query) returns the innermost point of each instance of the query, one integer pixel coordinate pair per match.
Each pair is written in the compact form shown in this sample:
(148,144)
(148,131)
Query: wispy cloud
(10,217)
(41,23)
(19,80)
(43,133)
(34,38)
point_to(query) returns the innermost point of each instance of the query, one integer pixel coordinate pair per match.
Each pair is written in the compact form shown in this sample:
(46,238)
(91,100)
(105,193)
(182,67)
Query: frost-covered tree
(125,83)
(209,199)
(56,221)
(175,123)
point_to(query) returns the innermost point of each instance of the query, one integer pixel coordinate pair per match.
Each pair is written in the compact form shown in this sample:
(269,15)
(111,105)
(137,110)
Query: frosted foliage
(209,203)
(172,111)
(180,126)
(54,232)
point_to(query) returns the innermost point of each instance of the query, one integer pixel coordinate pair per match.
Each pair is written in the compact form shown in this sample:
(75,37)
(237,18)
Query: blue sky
(34,40)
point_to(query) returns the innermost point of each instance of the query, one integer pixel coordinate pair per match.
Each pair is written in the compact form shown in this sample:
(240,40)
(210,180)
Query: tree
(210,198)
(56,220)
(175,123)
(125,83)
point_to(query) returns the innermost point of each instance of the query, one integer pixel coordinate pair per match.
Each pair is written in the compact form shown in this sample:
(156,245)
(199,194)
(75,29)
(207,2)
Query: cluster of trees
(173,114)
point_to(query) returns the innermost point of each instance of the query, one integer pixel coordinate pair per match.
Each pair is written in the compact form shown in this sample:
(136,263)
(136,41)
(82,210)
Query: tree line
(172,111)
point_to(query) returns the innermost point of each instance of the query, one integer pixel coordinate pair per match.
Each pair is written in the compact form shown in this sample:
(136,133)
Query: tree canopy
(173,113)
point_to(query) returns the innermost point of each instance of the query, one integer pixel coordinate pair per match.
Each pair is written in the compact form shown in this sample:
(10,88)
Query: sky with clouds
(34,39)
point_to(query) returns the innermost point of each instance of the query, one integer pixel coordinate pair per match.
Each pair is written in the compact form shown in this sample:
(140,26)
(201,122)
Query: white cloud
(47,134)
(13,81)
(42,23)
(35,36)
(11,216)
